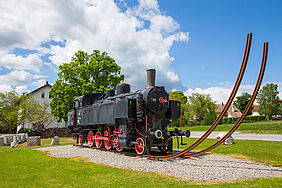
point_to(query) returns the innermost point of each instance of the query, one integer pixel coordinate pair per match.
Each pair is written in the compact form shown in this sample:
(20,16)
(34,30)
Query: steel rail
(248,107)
(221,115)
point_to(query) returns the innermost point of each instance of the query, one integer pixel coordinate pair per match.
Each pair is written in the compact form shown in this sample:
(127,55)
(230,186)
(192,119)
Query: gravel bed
(201,168)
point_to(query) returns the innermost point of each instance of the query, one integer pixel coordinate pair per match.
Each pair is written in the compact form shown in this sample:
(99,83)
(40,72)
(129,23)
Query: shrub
(23,130)
(248,119)
(209,118)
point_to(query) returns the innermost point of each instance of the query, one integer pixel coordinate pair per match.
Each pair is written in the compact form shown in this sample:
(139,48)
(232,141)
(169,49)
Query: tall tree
(16,109)
(202,105)
(85,73)
(242,101)
(268,100)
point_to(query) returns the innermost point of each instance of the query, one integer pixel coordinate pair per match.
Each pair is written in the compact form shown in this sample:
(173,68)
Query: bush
(23,130)
(248,119)
(209,118)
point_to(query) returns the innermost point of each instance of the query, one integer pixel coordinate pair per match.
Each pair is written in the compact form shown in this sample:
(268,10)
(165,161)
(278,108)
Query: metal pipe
(248,107)
(151,75)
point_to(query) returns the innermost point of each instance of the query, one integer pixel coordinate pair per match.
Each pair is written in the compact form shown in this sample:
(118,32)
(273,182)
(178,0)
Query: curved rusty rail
(228,103)
(248,107)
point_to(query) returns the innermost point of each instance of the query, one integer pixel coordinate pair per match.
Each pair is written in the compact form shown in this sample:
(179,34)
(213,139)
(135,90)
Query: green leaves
(268,100)
(16,109)
(85,74)
(197,104)
(202,106)
(242,101)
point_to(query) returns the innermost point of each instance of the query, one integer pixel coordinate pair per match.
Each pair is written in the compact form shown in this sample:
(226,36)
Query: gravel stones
(207,167)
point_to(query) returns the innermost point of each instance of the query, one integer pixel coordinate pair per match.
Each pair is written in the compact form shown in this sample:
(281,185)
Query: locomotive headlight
(158,134)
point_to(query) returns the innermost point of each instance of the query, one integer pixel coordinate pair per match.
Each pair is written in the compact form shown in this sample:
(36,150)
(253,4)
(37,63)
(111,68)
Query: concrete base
(8,139)
(33,141)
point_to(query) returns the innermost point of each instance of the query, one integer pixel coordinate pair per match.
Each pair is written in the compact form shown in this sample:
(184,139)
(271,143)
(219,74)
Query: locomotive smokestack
(151,74)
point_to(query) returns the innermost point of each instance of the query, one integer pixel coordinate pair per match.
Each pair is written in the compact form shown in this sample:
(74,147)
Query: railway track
(183,153)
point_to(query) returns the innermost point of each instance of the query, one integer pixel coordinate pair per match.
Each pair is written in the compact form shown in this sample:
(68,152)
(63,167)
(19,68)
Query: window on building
(42,95)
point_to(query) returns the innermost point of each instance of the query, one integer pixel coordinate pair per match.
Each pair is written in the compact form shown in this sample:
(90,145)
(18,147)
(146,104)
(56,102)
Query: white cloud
(218,94)
(5,87)
(221,94)
(16,78)
(21,89)
(31,62)
(88,25)
(39,83)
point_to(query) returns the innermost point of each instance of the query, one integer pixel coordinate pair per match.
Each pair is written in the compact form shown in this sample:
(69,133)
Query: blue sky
(196,46)
(218,32)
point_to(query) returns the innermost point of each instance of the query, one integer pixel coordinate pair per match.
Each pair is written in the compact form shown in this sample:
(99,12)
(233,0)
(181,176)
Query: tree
(185,112)
(85,74)
(16,109)
(268,100)
(42,118)
(242,101)
(202,106)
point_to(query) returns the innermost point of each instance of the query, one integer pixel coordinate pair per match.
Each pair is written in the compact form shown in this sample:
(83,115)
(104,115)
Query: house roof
(232,110)
(47,84)
(255,108)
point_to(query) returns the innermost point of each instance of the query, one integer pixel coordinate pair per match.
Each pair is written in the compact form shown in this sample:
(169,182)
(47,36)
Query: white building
(41,95)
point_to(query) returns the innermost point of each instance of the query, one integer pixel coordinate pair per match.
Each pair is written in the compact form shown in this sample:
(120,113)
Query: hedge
(248,119)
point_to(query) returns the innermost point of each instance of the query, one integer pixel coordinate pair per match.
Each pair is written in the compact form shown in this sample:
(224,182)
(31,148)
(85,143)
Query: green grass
(24,167)
(268,127)
(267,152)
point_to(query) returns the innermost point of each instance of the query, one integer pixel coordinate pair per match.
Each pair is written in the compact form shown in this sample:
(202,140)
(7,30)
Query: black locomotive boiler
(126,120)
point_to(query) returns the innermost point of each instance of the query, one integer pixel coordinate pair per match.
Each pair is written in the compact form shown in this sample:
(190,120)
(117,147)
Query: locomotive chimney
(151,74)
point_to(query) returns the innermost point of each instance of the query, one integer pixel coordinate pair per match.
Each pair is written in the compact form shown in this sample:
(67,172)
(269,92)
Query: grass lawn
(24,167)
(266,127)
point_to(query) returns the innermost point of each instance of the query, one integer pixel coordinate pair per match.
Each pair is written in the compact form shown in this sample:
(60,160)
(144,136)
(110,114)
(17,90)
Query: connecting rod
(248,107)
(221,115)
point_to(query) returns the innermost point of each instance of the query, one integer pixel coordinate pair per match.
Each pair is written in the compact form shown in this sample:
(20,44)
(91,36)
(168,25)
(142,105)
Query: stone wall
(7,139)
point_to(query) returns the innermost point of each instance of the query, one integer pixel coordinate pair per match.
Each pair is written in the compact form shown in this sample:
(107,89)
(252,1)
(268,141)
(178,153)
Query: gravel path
(202,168)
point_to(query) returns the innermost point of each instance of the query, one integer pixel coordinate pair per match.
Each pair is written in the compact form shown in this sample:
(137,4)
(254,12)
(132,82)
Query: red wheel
(108,144)
(98,141)
(118,148)
(80,140)
(90,139)
(141,147)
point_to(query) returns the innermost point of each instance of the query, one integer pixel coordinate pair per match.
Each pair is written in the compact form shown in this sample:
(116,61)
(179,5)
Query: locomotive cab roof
(89,99)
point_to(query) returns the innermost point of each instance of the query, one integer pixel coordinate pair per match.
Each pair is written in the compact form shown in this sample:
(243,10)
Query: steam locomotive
(123,119)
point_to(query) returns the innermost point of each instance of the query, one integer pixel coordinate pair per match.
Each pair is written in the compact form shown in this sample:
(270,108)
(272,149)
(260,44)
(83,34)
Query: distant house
(255,110)
(232,111)
(41,95)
